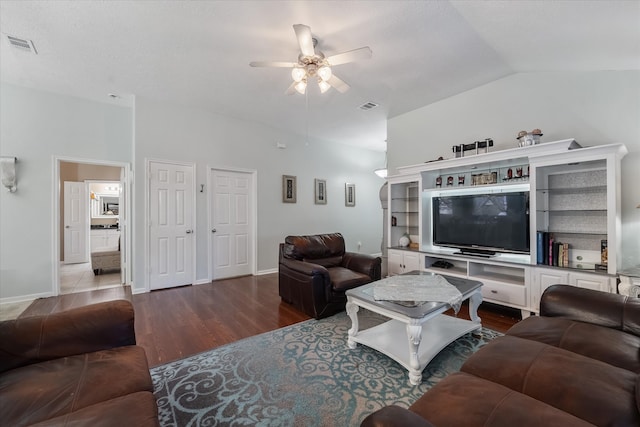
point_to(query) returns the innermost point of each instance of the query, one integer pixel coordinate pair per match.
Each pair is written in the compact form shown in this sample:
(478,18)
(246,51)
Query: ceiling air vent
(368,106)
(22,44)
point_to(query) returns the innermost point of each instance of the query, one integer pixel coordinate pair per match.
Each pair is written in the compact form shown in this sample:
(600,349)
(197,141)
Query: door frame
(55,218)
(254,216)
(147,216)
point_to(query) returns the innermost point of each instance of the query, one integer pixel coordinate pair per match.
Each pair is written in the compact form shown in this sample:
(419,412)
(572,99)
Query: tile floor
(80,278)
(73,278)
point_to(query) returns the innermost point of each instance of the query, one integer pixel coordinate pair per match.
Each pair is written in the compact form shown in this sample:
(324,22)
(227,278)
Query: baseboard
(202,282)
(23,298)
(269,271)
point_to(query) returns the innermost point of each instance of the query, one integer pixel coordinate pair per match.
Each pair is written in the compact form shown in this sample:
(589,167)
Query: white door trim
(55,218)
(254,216)
(147,216)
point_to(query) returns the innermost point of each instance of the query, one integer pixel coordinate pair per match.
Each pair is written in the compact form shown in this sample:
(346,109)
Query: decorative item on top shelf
(526,139)
(478,146)
(516,173)
(484,178)
(439,181)
(449,180)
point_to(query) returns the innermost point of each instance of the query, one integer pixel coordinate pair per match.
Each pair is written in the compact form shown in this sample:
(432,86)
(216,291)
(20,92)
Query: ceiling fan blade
(272,64)
(291,89)
(303,33)
(338,84)
(350,56)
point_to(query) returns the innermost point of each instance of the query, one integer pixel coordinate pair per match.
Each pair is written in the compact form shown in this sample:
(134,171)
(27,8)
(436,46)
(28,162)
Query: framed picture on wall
(349,194)
(320,191)
(289,189)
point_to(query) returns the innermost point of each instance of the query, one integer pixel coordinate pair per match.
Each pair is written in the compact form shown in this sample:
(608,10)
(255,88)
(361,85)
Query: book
(565,258)
(539,247)
(560,254)
(545,249)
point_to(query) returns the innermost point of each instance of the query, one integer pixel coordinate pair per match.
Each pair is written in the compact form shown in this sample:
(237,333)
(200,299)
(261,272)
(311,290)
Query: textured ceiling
(196,53)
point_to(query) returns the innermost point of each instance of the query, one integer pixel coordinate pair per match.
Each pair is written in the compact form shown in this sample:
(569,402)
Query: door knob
(66,226)
(189,231)
(214,230)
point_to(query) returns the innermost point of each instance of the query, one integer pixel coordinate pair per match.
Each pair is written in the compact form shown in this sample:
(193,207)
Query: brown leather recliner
(316,271)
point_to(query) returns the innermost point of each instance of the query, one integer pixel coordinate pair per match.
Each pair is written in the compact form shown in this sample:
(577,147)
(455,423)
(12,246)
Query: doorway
(72,264)
(232,222)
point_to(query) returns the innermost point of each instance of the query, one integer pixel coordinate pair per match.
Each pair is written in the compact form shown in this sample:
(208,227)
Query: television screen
(493,222)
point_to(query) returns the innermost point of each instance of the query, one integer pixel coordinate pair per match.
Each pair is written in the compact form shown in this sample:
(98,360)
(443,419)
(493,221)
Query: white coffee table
(415,333)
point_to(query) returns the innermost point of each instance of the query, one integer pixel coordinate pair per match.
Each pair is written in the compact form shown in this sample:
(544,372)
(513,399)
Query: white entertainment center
(574,196)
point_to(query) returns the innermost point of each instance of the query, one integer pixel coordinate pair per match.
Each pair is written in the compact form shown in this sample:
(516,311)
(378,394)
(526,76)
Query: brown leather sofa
(78,367)
(316,271)
(577,364)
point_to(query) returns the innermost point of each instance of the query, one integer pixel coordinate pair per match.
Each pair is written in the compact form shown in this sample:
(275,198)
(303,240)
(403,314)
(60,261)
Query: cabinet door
(113,239)
(98,240)
(543,278)
(395,263)
(589,281)
(411,262)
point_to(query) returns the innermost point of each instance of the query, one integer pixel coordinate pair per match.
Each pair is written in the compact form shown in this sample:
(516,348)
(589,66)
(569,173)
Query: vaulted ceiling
(197,53)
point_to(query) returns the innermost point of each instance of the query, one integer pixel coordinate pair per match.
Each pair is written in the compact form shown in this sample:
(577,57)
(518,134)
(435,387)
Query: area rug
(301,375)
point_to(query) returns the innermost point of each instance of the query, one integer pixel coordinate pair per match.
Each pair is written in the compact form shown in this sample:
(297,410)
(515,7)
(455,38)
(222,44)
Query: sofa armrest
(363,263)
(595,307)
(94,327)
(304,267)
(394,416)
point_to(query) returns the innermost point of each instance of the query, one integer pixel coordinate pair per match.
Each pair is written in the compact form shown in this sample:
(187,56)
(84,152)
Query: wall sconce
(8,170)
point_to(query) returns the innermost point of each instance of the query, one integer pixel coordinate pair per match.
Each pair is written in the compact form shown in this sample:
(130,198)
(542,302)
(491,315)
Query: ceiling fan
(313,64)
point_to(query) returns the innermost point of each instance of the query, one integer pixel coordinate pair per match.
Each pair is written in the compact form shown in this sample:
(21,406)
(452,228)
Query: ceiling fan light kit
(312,63)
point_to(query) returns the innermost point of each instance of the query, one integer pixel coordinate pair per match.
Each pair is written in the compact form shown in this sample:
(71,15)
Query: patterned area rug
(301,375)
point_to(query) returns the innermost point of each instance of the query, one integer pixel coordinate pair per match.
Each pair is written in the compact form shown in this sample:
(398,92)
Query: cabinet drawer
(511,294)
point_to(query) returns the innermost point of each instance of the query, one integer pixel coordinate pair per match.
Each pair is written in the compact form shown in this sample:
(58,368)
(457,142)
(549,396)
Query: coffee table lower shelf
(392,339)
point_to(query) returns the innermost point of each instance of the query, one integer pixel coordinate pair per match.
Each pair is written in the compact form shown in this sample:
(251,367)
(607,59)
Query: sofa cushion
(343,279)
(465,400)
(326,262)
(592,390)
(136,409)
(58,387)
(608,345)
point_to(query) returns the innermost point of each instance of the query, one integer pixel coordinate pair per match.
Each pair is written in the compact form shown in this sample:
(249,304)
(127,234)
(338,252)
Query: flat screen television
(482,224)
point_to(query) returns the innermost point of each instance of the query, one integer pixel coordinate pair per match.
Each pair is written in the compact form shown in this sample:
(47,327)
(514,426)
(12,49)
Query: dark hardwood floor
(179,322)
(175,323)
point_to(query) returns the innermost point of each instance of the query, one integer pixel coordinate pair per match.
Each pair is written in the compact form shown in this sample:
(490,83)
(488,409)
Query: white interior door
(123,225)
(233,240)
(75,222)
(171,208)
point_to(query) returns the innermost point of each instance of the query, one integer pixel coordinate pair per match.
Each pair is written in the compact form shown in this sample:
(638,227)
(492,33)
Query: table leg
(474,302)
(414,333)
(352,311)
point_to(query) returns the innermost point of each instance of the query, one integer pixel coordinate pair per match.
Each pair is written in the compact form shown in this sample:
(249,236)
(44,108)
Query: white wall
(594,108)
(36,126)
(171,132)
